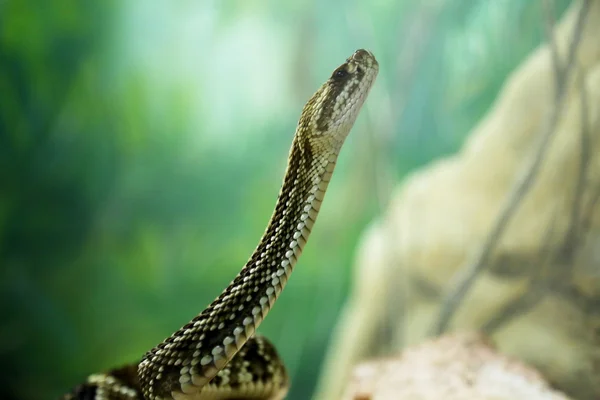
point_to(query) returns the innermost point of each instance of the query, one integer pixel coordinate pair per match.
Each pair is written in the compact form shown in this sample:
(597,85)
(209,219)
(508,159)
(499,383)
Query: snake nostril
(365,57)
(362,53)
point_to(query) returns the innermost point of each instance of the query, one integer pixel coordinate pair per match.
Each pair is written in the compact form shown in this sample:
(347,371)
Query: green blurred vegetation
(142,147)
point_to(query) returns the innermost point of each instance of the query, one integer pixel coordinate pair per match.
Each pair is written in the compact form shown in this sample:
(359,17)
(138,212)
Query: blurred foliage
(142,146)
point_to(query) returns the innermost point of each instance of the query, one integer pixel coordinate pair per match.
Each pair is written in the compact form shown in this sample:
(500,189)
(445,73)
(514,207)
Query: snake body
(217,354)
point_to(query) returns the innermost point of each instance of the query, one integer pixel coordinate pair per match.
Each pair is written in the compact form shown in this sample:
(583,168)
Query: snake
(218,355)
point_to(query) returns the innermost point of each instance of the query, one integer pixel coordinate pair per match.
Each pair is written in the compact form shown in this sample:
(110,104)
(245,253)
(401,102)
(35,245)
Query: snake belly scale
(217,354)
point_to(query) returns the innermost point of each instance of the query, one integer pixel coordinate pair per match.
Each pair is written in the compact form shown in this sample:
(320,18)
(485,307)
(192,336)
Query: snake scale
(217,354)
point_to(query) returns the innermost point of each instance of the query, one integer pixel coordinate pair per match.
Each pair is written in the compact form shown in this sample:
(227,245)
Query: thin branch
(548,6)
(574,232)
(519,306)
(563,257)
(535,291)
(589,213)
(571,59)
(468,274)
(588,305)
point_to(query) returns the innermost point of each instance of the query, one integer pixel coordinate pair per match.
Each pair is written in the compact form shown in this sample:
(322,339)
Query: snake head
(332,110)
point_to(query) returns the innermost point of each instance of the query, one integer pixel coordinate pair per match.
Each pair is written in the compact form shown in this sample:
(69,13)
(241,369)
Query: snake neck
(196,352)
(253,292)
(298,204)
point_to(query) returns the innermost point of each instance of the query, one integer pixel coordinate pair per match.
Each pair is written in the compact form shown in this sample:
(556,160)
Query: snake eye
(340,73)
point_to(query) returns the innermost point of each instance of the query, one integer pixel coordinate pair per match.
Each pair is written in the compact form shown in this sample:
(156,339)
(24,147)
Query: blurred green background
(142,146)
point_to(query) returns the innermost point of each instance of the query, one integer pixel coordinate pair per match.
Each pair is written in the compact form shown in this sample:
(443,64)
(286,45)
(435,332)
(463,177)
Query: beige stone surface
(456,367)
(439,216)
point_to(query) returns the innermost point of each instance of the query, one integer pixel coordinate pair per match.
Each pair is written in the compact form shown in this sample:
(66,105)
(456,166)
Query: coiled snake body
(217,355)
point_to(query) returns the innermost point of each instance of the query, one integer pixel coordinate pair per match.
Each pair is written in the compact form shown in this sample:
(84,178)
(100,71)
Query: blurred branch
(549,21)
(534,292)
(519,306)
(574,232)
(562,260)
(589,213)
(468,274)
